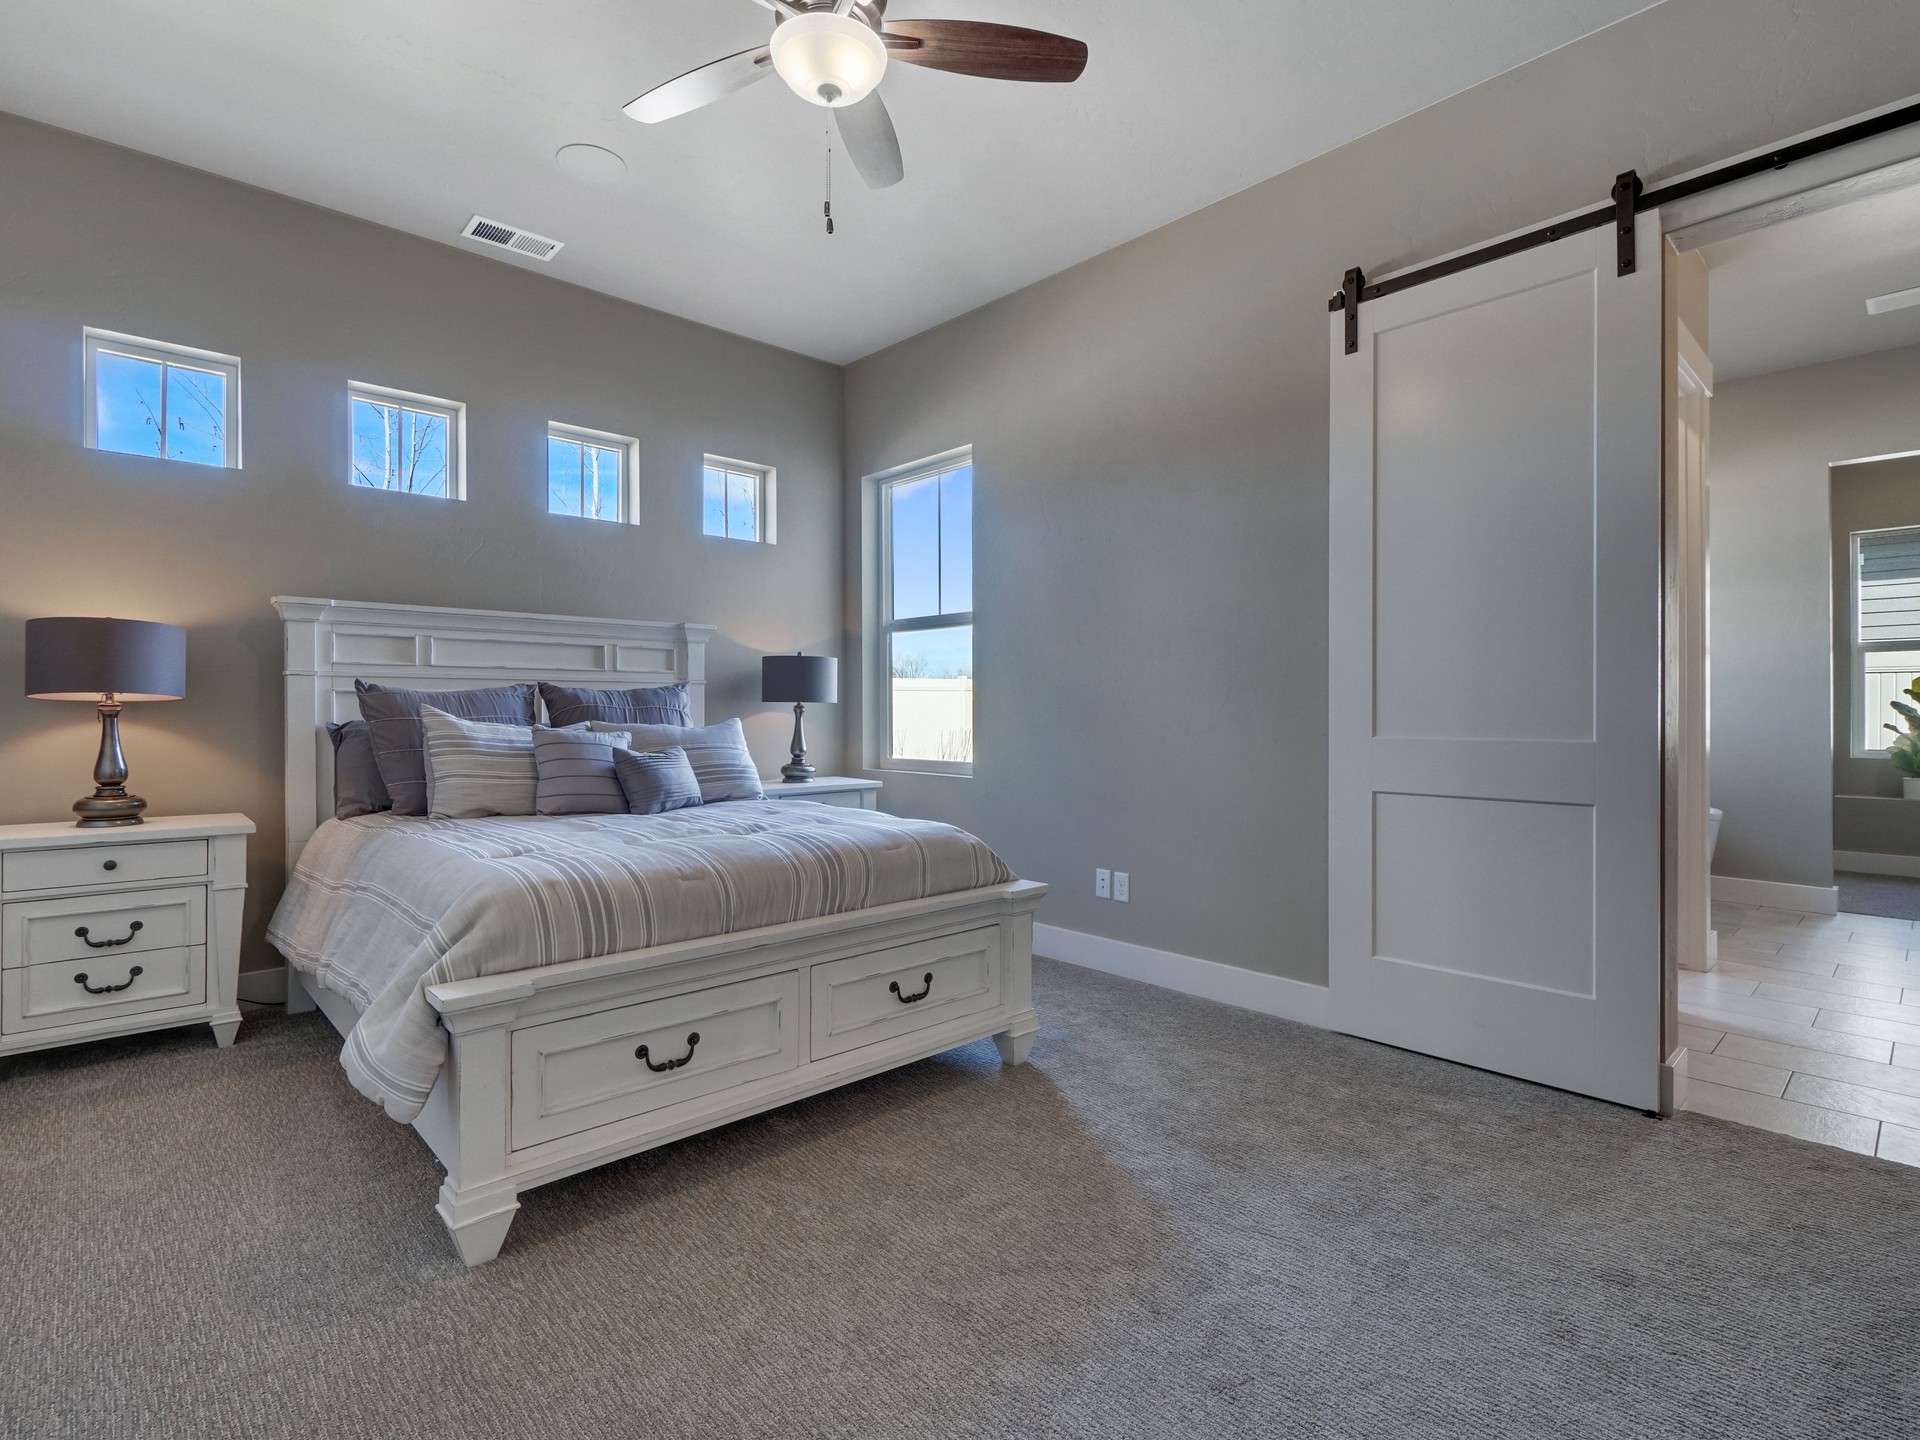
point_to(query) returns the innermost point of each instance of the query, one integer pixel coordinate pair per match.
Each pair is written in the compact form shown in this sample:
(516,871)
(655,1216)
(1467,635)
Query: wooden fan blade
(700,87)
(975,47)
(866,129)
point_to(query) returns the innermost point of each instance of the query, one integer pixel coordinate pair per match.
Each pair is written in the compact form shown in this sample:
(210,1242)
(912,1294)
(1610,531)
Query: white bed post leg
(479,1199)
(299,998)
(477,1219)
(1016,988)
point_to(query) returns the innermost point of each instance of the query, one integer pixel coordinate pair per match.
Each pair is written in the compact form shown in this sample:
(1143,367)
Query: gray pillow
(645,705)
(356,779)
(393,721)
(476,768)
(656,781)
(575,769)
(718,754)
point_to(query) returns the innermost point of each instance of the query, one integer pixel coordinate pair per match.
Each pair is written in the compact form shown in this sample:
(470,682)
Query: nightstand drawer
(41,932)
(102,987)
(128,864)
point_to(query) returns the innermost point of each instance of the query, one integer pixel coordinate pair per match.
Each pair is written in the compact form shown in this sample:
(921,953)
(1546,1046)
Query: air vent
(511,237)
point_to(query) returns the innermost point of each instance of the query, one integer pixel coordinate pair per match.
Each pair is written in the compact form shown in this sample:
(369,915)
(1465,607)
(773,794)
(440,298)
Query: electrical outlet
(1120,886)
(1103,884)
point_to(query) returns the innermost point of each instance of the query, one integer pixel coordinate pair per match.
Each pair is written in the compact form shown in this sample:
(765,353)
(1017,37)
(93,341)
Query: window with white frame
(591,474)
(1886,630)
(146,397)
(926,613)
(413,444)
(736,500)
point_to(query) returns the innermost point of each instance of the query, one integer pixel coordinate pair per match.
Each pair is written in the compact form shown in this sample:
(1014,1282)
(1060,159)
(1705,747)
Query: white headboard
(331,643)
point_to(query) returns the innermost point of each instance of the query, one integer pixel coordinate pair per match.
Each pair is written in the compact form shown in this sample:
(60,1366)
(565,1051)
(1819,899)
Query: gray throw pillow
(656,781)
(476,768)
(718,754)
(575,769)
(357,789)
(393,722)
(644,705)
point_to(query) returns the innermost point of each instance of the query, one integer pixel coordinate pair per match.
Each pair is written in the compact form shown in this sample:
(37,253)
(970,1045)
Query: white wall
(1773,439)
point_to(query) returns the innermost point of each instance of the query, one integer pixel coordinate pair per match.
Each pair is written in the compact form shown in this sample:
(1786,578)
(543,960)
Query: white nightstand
(841,790)
(103,932)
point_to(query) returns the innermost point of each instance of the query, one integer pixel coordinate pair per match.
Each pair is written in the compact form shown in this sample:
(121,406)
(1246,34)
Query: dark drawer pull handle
(110,865)
(909,999)
(81,981)
(692,1041)
(132,930)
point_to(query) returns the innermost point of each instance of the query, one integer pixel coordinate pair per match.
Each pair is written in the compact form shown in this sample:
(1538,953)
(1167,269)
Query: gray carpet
(1181,1219)
(1894,896)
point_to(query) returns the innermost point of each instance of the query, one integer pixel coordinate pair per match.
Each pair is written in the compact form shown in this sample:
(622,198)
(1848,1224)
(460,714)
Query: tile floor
(1810,1025)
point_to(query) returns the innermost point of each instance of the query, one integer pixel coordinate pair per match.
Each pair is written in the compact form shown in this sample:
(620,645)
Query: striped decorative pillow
(718,754)
(475,768)
(575,772)
(656,781)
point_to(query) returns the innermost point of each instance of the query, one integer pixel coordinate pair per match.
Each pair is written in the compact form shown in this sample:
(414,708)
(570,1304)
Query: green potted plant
(1904,752)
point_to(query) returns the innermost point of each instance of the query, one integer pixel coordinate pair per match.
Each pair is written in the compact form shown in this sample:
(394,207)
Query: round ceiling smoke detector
(591,163)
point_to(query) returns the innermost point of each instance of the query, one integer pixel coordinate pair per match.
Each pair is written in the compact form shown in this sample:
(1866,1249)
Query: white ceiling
(420,114)
(1796,293)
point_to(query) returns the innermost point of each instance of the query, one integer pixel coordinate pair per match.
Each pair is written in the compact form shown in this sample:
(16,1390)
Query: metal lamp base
(798,771)
(102,809)
(110,804)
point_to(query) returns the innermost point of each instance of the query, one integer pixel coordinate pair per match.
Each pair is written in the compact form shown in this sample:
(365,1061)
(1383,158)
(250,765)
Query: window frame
(165,354)
(627,447)
(1859,649)
(454,412)
(880,659)
(766,482)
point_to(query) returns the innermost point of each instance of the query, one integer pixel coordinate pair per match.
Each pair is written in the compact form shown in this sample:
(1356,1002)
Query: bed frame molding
(469,1119)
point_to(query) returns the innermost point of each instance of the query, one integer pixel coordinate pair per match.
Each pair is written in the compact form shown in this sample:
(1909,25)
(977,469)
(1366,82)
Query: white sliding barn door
(1495,660)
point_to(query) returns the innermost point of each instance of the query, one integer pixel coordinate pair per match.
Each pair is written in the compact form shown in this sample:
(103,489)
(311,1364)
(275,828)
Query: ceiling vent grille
(511,237)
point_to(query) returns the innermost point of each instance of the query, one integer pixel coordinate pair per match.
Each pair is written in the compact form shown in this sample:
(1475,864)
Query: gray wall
(1150,433)
(1773,439)
(93,235)
(1868,813)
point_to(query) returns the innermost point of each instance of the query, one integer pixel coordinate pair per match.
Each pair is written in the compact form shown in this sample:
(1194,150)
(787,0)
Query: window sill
(932,768)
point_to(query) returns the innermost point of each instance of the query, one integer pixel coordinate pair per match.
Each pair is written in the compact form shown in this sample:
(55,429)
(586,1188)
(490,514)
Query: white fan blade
(867,131)
(700,87)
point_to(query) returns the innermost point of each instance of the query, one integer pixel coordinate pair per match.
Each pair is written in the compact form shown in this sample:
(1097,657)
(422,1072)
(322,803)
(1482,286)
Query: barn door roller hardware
(1629,200)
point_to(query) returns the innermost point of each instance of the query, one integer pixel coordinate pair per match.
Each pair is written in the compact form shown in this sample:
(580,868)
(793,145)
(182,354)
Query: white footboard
(560,1069)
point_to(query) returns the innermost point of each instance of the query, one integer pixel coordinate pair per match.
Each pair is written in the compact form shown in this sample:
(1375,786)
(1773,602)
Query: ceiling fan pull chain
(828,207)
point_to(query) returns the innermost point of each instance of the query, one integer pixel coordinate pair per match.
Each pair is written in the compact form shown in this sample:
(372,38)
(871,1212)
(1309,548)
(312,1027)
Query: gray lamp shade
(76,657)
(799,679)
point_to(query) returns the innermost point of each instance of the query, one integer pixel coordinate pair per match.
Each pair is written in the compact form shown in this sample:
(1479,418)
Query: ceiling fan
(834,52)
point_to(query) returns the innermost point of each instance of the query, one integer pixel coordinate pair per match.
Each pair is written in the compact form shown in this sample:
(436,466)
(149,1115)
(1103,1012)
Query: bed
(538,996)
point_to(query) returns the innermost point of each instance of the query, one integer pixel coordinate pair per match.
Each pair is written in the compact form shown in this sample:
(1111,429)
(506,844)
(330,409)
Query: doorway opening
(1802,1011)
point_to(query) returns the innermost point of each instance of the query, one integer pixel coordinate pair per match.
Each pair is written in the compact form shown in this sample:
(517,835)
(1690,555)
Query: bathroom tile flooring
(1809,1025)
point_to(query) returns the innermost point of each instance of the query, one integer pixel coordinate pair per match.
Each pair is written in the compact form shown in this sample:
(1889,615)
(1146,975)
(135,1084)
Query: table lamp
(802,680)
(108,662)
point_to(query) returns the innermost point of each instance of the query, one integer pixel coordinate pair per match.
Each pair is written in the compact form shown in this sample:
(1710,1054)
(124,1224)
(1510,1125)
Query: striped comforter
(381,907)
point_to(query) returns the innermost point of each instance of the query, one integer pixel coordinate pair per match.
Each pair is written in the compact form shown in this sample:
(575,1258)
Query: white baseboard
(263,987)
(1208,979)
(1865,862)
(1777,895)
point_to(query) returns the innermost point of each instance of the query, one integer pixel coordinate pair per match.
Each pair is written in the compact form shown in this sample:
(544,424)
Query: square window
(146,397)
(736,500)
(413,444)
(590,474)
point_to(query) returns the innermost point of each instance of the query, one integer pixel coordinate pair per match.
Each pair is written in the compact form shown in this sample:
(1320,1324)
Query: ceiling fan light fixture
(828,59)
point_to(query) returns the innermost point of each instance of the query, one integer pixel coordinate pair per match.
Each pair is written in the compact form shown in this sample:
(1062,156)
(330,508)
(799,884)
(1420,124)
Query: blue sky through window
(152,407)
(582,479)
(730,503)
(396,448)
